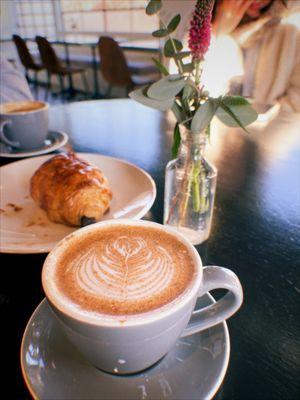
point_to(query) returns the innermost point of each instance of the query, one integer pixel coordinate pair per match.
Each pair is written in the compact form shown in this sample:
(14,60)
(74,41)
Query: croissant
(70,190)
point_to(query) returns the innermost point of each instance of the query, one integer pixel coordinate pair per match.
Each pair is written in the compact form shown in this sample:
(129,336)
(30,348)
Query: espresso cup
(24,125)
(124,345)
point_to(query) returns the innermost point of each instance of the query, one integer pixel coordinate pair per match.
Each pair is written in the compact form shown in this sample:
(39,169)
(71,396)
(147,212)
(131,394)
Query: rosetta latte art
(125,269)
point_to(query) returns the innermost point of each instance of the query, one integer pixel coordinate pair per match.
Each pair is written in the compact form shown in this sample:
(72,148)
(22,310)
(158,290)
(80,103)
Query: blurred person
(13,84)
(255,48)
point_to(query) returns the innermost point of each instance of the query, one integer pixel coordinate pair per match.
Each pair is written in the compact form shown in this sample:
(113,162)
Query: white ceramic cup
(24,124)
(131,346)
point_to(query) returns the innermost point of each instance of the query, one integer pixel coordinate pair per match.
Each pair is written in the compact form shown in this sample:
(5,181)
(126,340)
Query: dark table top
(255,232)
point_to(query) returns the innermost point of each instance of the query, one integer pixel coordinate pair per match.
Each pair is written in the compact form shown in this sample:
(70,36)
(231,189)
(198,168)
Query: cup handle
(2,135)
(216,278)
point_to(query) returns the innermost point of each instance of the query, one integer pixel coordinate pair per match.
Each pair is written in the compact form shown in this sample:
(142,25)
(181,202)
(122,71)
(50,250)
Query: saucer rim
(210,394)
(42,151)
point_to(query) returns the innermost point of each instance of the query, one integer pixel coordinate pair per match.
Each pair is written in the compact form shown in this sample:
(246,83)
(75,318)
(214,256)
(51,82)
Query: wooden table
(256,233)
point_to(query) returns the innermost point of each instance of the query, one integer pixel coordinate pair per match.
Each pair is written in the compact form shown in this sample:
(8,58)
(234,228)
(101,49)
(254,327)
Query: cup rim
(4,113)
(119,320)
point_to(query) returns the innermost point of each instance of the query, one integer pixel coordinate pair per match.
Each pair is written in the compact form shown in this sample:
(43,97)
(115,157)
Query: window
(127,16)
(80,18)
(35,18)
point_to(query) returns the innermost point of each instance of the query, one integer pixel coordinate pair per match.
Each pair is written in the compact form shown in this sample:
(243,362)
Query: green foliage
(181,55)
(160,67)
(171,47)
(189,92)
(203,116)
(166,88)
(140,95)
(182,92)
(188,67)
(153,7)
(176,140)
(235,101)
(160,33)
(178,112)
(236,111)
(174,23)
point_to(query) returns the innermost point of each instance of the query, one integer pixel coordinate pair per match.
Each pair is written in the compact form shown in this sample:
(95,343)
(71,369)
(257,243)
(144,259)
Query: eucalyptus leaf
(174,23)
(160,33)
(153,7)
(203,116)
(188,92)
(188,67)
(161,67)
(140,96)
(176,141)
(241,115)
(169,50)
(182,54)
(166,88)
(178,112)
(235,101)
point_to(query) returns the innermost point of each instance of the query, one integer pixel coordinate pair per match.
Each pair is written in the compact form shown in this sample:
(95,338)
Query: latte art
(123,270)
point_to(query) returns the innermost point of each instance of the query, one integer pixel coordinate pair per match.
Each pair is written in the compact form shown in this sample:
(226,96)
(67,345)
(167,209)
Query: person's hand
(229,14)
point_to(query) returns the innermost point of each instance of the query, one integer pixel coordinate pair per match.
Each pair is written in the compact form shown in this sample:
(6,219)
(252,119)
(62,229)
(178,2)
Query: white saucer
(25,227)
(54,141)
(54,369)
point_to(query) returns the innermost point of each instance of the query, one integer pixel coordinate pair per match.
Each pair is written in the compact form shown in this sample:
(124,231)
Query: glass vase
(190,185)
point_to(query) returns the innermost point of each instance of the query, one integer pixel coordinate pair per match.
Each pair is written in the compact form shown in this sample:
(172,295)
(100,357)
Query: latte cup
(129,345)
(24,124)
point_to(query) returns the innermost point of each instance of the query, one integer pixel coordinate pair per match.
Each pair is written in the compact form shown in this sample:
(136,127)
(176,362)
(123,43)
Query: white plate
(54,369)
(25,227)
(55,140)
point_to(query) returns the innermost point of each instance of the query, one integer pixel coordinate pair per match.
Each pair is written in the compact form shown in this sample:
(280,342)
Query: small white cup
(139,342)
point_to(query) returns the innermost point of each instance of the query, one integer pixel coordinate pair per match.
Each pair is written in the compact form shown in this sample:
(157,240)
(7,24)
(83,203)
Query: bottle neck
(192,145)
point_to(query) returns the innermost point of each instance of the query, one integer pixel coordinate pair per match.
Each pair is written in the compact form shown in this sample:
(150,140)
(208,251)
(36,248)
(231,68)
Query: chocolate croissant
(70,190)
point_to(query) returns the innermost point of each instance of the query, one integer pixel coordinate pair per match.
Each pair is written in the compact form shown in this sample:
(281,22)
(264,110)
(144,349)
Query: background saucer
(25,227)
(54,369)
(55,140)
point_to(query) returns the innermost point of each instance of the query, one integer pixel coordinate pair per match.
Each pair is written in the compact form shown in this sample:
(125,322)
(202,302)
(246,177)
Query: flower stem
(196,188)
(198,72)
(178,62)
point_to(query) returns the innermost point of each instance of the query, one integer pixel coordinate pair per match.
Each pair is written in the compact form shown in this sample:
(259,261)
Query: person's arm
(13,84)
(229,14)
(290,101)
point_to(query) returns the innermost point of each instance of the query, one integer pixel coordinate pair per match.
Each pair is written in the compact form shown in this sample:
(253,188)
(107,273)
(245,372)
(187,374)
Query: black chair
(27,60)
(115,69)
(54,66)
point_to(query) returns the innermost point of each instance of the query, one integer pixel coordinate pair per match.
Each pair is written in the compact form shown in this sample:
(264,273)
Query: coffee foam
(21,107)
(123,270)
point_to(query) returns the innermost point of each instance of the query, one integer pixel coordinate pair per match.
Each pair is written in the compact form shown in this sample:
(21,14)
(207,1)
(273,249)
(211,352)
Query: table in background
(255,232)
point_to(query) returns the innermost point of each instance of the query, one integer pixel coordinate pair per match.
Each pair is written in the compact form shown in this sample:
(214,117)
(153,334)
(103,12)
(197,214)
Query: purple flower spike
(200,29)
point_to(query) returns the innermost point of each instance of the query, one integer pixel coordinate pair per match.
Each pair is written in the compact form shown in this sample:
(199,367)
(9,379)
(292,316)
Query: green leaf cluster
(153,7)
(181,92)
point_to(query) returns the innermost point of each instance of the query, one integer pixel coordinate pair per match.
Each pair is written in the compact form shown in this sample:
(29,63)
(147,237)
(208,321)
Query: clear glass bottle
(190,185)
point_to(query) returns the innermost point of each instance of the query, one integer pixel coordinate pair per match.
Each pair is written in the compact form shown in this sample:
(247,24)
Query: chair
(54,66)
(115,69)
(27,59)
